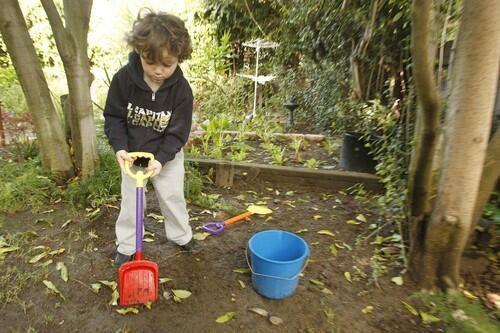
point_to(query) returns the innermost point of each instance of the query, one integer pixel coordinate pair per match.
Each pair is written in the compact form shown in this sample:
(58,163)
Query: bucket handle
(272,276)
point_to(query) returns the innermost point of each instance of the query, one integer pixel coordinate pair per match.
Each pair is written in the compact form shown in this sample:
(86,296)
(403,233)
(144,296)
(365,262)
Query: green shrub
(24,185)
(102,188)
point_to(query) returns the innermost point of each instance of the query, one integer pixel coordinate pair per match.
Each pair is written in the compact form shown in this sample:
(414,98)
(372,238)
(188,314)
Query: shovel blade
(138,282)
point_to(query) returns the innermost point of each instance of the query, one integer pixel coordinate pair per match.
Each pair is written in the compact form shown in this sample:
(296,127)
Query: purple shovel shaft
(139,216)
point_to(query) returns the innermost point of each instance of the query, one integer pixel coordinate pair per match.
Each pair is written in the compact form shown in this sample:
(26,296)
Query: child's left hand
(155,167)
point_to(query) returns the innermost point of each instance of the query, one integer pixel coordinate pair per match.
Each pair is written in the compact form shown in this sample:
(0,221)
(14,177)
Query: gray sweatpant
(169,188)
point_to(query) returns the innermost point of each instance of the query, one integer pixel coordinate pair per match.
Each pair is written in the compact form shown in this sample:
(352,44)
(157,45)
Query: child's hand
(121,157)
(155,166)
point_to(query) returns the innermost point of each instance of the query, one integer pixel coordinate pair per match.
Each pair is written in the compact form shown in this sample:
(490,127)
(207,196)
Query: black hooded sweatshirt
(138,119)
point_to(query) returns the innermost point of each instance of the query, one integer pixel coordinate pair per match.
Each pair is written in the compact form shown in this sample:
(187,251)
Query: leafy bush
(24,185)
(102,188)
(11,93)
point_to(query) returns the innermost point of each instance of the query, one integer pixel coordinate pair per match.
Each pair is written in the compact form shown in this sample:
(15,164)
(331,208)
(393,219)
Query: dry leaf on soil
(225,317)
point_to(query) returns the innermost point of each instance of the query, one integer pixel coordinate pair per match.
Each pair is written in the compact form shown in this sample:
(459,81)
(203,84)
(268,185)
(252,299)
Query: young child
(149,109)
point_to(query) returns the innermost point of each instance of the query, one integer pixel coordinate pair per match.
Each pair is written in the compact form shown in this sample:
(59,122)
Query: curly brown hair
(153,32)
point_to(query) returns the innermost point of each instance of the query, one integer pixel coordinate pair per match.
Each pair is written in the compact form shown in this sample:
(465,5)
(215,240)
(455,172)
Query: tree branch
(61,35)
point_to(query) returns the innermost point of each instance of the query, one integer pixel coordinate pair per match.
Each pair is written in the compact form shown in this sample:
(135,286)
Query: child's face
(159,71)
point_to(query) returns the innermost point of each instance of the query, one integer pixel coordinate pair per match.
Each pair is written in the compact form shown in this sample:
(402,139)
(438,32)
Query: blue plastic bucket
(277,259)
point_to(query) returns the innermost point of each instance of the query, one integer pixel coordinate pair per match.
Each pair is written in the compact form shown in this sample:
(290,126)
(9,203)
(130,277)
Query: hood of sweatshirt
(136,119)
(134,68)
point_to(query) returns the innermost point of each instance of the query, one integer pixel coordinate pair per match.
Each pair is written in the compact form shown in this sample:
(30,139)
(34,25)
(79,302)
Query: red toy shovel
(138,279)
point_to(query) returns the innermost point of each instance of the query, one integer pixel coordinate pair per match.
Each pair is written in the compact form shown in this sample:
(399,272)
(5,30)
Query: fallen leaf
(317,217)
(38,257)
(148,240)
(111,284)
(127,311)
(275,320)
(410,308)
(201,235)
(301,231)
(96,287)
(361,218)
(352,222)
(372,226)
(347,276)
(45,263)
(8,249)
(180,294)
(259,210)
(56,252)
(398,280)
(65,224)
(367,309)
(242,284)
(158,218)
(53,288)
(64,271)
(114,297)
(333,249)
(428,318)
(225,317)
(149,305)
(165,280)
(378,240)
(326,291)
(317,282)
(259,311)
(469,295)
(242,270)
(326,232)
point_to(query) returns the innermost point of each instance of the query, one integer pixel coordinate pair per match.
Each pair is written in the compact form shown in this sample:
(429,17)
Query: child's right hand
(121,157)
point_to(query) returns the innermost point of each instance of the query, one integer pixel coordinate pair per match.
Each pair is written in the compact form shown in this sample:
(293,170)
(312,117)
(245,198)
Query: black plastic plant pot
(354,155)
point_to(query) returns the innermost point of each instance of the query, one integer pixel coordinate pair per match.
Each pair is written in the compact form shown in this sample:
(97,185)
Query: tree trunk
(71,42)
(54,151)
(489,178)
(420,182)
(467,131)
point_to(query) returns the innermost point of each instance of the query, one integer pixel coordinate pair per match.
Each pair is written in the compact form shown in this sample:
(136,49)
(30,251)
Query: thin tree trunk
(489,178)
(71,42)
(467,132)
(427,126)
(54,151)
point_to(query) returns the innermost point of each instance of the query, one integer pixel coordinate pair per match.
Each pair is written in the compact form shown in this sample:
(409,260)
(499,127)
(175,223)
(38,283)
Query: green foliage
(278,155)
(103,188)
(492,210)
(312,163)
(296,145)
(11,93)
(23,185)
(459,313)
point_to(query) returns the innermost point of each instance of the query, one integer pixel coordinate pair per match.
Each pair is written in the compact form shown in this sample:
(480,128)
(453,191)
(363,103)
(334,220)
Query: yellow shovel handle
(139,176)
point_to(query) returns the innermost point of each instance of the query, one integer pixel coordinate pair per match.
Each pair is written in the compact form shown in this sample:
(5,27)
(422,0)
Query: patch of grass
(12,282)
(193,190)
(103,188)
(24,185)
(460,314)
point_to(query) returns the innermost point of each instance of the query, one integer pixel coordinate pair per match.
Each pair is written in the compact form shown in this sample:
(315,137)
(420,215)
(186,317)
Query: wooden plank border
(329,179)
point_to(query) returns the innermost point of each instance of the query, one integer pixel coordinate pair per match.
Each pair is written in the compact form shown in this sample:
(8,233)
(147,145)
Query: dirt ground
(209,275)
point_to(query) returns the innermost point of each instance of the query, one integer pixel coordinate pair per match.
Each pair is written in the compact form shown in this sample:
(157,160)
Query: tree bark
(467,131)
(489,178)
(54,151)
(71,42)
(427,126)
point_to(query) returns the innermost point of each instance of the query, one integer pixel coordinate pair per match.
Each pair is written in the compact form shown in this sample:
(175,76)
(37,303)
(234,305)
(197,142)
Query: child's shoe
(192,246)
(122,258)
